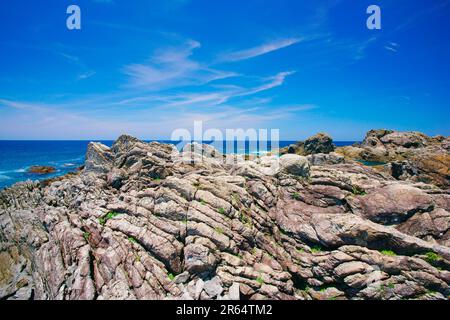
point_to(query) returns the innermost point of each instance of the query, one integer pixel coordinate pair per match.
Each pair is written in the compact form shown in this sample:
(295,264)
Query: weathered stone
(140,223)
(295,165)
(213,287)
(320,143)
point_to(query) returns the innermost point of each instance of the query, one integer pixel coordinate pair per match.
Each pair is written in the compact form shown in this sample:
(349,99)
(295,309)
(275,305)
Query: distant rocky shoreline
(138,222)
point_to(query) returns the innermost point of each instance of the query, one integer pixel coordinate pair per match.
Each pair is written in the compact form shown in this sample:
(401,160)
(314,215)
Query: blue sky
(148,67)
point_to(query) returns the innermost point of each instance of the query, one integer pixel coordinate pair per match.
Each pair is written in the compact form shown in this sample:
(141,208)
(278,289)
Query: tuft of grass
(296,196)
(238,255)
(221,211)
(203,202)
(254,251)
(109,215)
(432,257)
(300,250)
(245,219)
(391,285)
(86,236)
(389,253)
(219,230)
(132,240)
(358,191)
(171,276)
(157,179)
(260,280)
(316,249)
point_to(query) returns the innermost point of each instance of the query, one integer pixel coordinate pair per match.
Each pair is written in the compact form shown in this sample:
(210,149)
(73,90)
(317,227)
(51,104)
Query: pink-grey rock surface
(141,222)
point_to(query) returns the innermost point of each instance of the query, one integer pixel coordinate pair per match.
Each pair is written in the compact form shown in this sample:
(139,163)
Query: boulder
(319,143)
(321,159)
(295,165)
(198,259)
(41,170)
(98,158)
(213,287)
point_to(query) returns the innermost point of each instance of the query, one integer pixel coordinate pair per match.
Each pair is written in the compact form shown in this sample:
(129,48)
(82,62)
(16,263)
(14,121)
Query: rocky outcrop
(41,170)
(320,143)
(144,221)
(406,155)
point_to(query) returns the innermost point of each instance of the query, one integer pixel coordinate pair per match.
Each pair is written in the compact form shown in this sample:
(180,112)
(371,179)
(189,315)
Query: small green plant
(238,255)
(254,251)
(245,219)
(203,202)
(221,211)
(86,236)
(185,220)
(196,184)
(358,191)
(300,250)
(260,280)
(132,240)
(391,285)
(219,230)
(109,215)
(389,253)
(296,196)
(157,179)
(316,249)
(432,257)
(171,276)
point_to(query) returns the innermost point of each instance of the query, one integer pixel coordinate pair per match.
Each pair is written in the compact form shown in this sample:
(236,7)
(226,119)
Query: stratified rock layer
(141,222)
(410,156)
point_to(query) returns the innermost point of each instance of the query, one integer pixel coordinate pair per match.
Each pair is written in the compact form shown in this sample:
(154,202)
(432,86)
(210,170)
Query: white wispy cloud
(271,82)
(259,50)
(86,75)
(173,67)
(155,98)
(390,49)
(392,46)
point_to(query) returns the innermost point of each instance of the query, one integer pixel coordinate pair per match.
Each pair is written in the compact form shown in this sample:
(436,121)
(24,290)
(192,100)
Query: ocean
(66,156)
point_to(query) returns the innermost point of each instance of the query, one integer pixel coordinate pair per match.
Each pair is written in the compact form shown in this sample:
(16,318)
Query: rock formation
(407,155)
(143,221)
(41,170)
(320,143)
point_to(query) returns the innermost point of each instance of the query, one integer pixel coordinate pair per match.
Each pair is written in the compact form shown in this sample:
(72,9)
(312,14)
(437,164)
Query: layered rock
(407,155)
(144,221)
(320,143)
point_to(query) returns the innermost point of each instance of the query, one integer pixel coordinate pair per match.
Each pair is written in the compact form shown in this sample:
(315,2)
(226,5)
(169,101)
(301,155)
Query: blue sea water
(66,156)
